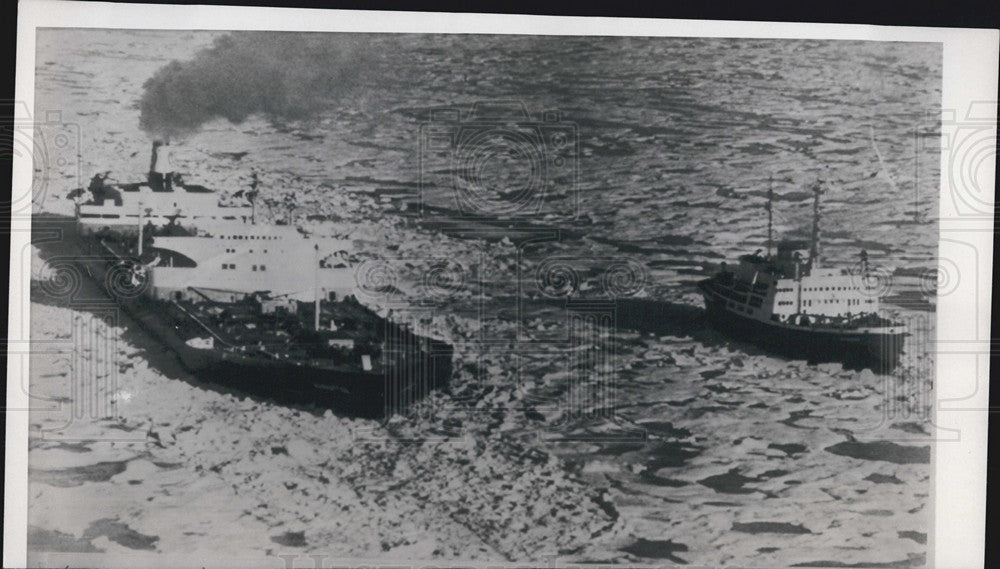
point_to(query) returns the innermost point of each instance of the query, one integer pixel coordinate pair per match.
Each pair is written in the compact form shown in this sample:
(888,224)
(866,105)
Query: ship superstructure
(268,306)
(127,208)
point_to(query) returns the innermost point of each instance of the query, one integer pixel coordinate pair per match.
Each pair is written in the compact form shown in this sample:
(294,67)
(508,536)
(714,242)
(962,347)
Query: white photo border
(970,63)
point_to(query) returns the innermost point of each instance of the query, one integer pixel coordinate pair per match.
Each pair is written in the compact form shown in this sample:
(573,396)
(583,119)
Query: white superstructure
(228,260)
(141,205)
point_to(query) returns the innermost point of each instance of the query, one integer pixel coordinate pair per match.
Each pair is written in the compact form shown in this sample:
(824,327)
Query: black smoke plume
(283,76)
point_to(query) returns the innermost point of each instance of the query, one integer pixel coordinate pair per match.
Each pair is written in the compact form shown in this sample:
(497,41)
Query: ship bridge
(790,284)
(793,258)
(124,211)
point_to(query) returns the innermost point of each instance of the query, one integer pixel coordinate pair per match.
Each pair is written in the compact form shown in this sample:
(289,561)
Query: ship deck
(242,328)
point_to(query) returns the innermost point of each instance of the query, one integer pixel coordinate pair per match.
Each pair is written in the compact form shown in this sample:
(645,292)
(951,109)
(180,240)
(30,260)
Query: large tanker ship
(266,307)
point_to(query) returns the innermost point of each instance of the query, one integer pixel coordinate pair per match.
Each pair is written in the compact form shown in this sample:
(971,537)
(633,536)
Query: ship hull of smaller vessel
(877,351)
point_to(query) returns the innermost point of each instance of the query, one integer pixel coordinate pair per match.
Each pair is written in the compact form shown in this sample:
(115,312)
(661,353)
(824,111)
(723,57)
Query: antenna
(881,162)
(770,199)
(252,195)
(148,211)
(316,287)
(139,246)
(814,250)
(916,166)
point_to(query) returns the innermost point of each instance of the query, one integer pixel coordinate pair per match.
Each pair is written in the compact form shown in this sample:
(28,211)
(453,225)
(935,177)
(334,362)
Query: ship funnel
(151,175)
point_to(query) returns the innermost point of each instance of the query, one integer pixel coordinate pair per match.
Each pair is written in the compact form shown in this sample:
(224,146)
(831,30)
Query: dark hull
(426,366)
(879,352)
(370,394)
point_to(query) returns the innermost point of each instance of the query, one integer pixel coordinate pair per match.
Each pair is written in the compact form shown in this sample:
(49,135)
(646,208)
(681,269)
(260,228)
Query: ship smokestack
(151,176)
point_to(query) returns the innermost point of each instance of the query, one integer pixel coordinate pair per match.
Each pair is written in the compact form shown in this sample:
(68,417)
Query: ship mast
(252,195)
(814,249)
(770,199)
(139,247)
(316,287)
(140,231)
(916,168)
(798,284)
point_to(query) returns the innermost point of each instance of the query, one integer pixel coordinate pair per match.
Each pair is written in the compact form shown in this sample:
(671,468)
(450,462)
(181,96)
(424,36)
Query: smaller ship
(789,304)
